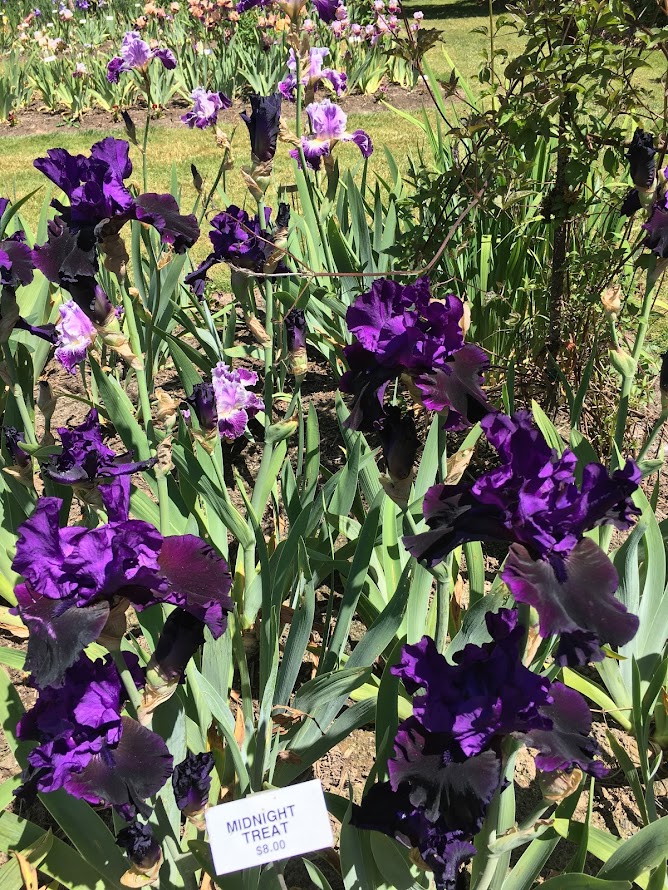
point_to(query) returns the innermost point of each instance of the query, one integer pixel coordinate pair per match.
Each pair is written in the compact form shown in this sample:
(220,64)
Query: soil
(36,120)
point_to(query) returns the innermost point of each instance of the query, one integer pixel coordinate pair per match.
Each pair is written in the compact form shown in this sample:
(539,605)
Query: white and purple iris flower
(136,55)
(74,576)
(534,502)
(446,765)
(328,126)
(311,75)
(206,106)
(76,334)
(227,403)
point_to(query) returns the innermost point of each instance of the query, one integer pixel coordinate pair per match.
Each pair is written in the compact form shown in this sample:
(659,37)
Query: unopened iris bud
(400,443)
(295,327)
(191,781)
(130,128)
(142,850)
(611,298)
(622,362)
(202,402)
(13,439)
(181,637)
(46,401)
(197,179)
(640,156)
(663,382)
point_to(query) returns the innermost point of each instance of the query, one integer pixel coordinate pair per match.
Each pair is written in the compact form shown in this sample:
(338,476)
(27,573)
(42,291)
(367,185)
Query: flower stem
(17,392)
(144,401)
(129,684)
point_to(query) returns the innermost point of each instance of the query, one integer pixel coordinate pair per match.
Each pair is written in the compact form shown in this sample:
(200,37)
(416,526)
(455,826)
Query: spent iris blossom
(447,763)
(87,747)
(136,55)
(311,75)
(534,503)
(206,106)
(328,126)
(400,330)
(75,576)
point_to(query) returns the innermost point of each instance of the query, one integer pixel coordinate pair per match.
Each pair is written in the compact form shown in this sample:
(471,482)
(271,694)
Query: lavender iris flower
(86,747)
(400,330)
(191,780)
(328,126)
(311,75)
(235,403)
(136,54)
(74,576)
(237,239)
(76,334)
(86,459)
(533,502)
(263,125)
(206,106)
(446,765)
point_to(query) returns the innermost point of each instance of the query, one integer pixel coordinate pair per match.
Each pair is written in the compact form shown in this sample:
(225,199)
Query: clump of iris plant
(206,106)
(401,332)
(87,746)
(328,127)
(224,406)
(136,55)
(100,204)
(312,74)
(449,757)
(533,502)
(75,577)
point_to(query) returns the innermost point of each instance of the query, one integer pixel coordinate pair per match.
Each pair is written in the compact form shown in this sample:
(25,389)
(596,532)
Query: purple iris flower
(86,747)
(100,204)
(13,439)
(657,227)
(206,106)
(399,329)
(140,846)
(237,239)
(296,329)
(74,576)
(263,125)
(86,459)
(640,156)
(76,334)
(191,780)
(447,766)
(235,403)
(327,9)
(136,54)
(533,502)
(328,126)
(311,75)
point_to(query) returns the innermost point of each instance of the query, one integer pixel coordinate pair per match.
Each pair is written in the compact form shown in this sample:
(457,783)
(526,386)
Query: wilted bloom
(235,403)
(140,846)
(263,125)
(328,126)
(136,54)
(86,747)
(74,576)
(237,239)
(447,764)
(86,459)
(76,334)
(311,75)
(191,781)
(533,502)
(206,106)
(400,330)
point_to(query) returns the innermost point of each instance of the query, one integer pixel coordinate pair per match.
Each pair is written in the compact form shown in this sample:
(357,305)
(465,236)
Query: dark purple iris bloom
(237,239)
(640,156)
(533,502)
(296,329)
(447,765)
(657,228)
(202,401)
(74,576)
(263,125)
(139,845)
(400,442)
(13,440)
(400,329)
(100,204)
(327,9)
(86,747)
(85,458)
(191,780)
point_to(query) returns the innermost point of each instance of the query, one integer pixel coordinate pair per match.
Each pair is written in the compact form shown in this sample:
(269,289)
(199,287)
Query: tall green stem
(135,346)
(19,397)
